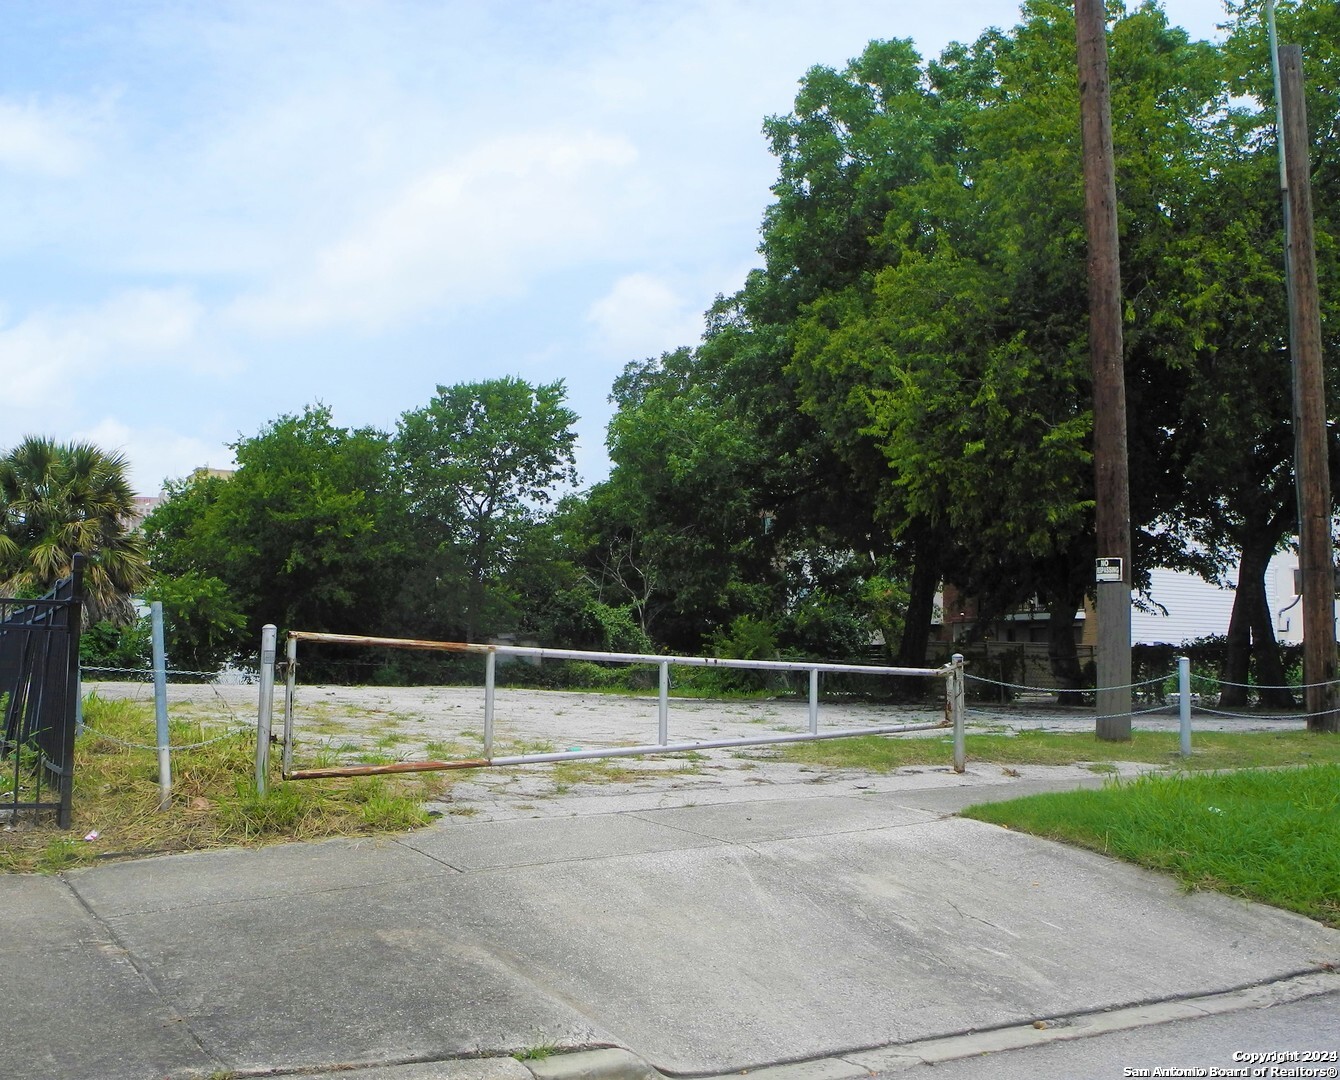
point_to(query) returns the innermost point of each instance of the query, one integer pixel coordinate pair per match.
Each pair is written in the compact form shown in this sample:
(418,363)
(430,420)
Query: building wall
(1197,609)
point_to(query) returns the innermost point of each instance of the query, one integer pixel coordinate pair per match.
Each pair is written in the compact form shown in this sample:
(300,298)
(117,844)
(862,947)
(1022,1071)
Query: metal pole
(290,694)
(957,688)
(663,705)
(1184,702)
(490,667)
(269,634)
(1273,39)
(160,706)
(814,701)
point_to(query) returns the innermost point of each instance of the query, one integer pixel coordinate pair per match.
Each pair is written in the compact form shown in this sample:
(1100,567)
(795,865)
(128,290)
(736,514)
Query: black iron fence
(39,686)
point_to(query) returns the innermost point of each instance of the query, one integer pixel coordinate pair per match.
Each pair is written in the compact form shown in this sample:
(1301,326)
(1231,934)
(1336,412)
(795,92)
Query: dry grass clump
(116,810)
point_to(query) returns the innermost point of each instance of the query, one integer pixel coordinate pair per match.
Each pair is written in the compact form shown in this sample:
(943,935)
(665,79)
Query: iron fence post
(74,625)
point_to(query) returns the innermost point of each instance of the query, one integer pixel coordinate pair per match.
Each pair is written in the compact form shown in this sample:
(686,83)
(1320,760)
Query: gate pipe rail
(952,673)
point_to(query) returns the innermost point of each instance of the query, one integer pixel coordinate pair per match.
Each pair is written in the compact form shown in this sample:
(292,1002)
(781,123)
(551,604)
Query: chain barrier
(219,678)
(212,679)
(1257,716)
(1062,690)
(1263,686)
(230,734)
(1202,680)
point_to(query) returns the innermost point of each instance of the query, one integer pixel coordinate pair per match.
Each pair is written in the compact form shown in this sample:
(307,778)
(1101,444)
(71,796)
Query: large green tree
(705,521)
(478,465)
(62,499)
(670,533)
(962,362)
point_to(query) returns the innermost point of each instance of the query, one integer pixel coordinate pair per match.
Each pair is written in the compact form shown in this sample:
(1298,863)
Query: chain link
(209,678)
(240,678)
(1061,690)
(230,734)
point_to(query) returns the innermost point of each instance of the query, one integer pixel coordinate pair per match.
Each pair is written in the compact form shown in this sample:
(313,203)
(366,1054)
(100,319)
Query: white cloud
(46,353)
(478,228)
(49,141)
(642,315)
(154,454)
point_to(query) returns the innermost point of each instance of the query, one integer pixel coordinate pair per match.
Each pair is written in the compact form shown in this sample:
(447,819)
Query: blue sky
(217,213)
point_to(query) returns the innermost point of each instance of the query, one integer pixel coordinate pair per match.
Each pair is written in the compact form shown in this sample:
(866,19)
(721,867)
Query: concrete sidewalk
(704,939)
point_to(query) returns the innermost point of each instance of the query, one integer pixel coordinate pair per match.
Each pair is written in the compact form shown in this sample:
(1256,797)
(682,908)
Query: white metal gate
(952,674)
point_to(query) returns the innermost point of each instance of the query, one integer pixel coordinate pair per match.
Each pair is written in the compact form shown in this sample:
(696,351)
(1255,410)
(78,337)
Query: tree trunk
(1269,669)
(1237,662)
(1251,634)
(1062,655)
(920,607)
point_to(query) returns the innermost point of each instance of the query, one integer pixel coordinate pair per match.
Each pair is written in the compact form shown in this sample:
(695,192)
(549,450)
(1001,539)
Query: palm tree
(57,500)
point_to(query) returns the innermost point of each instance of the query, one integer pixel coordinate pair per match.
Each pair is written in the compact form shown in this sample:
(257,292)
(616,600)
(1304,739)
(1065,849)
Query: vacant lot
(347,725)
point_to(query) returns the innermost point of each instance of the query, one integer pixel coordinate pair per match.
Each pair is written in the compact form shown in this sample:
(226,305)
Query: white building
(1196,609)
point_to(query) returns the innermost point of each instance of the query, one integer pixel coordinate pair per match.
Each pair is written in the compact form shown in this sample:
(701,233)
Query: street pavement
(804,932)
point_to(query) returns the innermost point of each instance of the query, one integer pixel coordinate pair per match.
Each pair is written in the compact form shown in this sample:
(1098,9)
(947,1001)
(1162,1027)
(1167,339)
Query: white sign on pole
(1107,570)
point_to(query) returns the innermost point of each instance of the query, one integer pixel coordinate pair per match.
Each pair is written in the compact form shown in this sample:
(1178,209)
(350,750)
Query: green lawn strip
(1210,750)
(1266,835)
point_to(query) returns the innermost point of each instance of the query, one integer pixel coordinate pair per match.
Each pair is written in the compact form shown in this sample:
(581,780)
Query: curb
(900,1056)
(609,1063)
(613,1063)
(616,1063)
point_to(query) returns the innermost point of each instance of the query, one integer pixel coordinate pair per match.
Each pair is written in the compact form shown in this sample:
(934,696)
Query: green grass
(214,803)
(1266,835)
(1210,750)
(539,1052)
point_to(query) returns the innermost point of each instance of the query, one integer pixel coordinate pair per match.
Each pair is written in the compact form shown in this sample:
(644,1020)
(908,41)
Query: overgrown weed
(213,803)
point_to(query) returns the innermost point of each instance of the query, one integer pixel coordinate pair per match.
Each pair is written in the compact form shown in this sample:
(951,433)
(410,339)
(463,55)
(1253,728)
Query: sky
(218,213)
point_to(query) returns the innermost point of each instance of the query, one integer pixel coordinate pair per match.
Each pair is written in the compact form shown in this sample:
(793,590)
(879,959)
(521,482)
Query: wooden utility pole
(1111,484)
(1316,559)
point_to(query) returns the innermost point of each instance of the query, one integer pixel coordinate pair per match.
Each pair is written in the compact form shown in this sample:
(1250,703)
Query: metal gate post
(814,701)
(490,670)
(160,706)
(663,706)
(290,688)
(269,633)
(957,689)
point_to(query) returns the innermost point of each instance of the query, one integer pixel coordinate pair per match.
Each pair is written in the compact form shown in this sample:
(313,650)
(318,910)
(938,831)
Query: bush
(748,638)
(824,628)
(1208,656)
(104,645)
